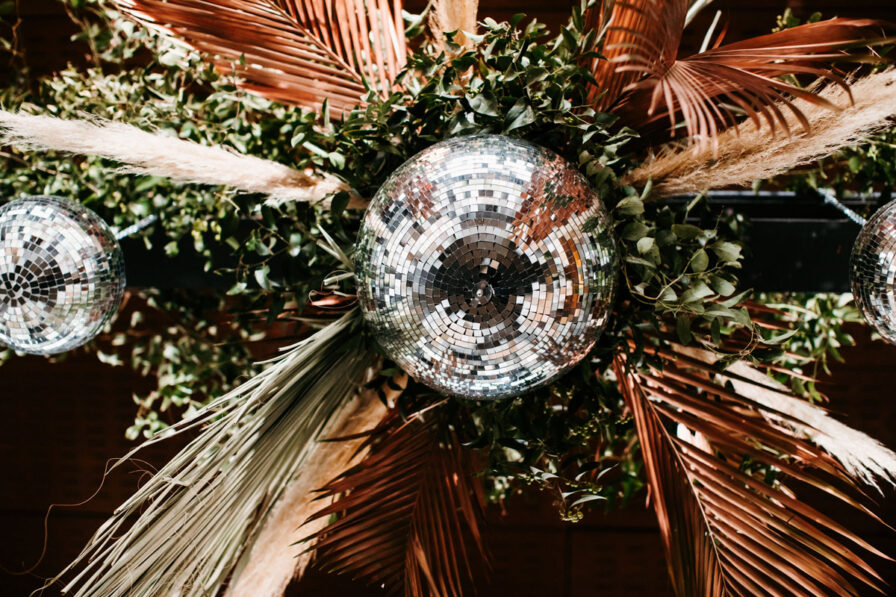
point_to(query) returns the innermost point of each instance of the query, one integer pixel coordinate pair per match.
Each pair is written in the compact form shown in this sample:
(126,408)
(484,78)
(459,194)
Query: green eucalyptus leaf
(726,251)
(630,206)
(686,231)
(700,261)
(645,245)
(721,286)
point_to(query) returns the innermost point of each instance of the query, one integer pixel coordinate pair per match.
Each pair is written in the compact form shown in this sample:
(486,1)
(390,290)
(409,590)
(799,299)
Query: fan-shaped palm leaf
(642,81)
(711,90)
(727,532)
(295,51)
(405,515)
(746,154)
(639,35)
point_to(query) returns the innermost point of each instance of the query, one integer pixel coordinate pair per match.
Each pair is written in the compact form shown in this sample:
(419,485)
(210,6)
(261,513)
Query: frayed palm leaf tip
(157,154)
(299,52)
(864,458)
(202,511)
(727,531)
(405,516)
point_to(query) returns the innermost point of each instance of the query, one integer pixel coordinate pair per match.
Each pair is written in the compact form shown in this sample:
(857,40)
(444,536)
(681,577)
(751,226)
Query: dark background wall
(62,422)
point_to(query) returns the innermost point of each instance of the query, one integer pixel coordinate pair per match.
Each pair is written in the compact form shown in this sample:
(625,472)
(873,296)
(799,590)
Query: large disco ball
(873,271)
(486,266)
(61,275)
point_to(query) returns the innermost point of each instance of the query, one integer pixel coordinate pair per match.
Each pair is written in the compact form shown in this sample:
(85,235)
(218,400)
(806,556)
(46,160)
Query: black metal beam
(795,244)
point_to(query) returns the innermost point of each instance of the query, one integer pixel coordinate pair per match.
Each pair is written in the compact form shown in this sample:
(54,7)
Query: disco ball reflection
(61,275)
(873,271)
(486,266)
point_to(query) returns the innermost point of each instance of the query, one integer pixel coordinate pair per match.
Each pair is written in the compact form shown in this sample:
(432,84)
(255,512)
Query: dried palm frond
(299,52)
(638,35)
(267,569)
(195,518)
(274,561)
(642,82)
(711,90)
(748,155)
(404,515)
(863,457)
(446,16)
(156,154)
(727,531)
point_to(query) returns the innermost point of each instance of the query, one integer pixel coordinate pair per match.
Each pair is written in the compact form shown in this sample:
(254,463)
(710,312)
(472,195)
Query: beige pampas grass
(277,557)
(751,154)
(453,15)
(157,154)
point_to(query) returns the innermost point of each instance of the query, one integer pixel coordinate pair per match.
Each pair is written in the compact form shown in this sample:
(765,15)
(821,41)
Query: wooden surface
(62,422)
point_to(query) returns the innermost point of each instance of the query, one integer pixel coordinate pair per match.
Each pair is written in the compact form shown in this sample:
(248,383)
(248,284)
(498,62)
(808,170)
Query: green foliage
(186,342)
(516,83)
(574,438)
(680,263)
(788,20)
(818,321)
(866,168)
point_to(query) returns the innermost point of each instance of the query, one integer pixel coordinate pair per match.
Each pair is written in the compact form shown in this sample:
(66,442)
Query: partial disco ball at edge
(873,271)
(61,275)
(486,267)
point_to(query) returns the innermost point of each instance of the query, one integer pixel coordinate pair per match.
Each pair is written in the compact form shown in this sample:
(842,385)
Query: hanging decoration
(486,266)
(524,250)
(873,271)
(61,275)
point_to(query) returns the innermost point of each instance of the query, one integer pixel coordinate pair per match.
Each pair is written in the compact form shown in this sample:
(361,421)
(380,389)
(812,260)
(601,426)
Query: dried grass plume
(747,154)
(157,154)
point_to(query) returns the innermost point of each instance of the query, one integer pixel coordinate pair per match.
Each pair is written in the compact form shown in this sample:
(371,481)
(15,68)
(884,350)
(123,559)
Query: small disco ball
(61,275)
(486,266)
(873,271)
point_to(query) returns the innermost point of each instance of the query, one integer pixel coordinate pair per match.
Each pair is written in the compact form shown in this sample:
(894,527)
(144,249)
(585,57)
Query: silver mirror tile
(61,275)
(486,266)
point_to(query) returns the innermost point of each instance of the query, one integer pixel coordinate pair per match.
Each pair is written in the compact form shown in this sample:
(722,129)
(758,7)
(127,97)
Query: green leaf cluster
(573,438)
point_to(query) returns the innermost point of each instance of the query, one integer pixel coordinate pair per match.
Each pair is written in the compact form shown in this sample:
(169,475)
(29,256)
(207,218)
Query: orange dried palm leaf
(727,532)
(299,52)
(640,37)
(404,515)
(712,90)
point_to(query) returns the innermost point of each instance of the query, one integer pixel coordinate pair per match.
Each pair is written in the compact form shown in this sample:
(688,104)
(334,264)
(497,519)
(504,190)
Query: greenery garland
(574,437)
(523,83)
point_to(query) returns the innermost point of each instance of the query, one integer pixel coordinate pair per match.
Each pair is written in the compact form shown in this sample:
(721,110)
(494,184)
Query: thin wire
(831,199)
(139,226)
